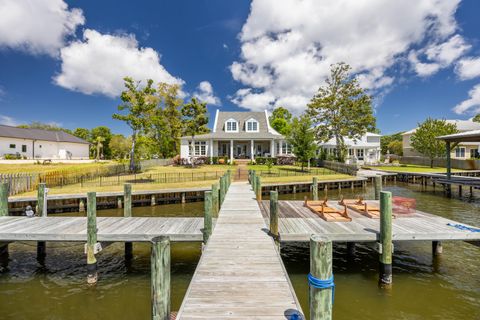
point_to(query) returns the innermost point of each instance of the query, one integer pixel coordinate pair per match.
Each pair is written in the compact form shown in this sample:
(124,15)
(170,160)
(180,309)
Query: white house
(465,150)
(365,150)
(237,135)
(41,144)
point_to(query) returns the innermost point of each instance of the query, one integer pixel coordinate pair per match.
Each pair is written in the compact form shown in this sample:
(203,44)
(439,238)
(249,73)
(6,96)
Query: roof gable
(38,134)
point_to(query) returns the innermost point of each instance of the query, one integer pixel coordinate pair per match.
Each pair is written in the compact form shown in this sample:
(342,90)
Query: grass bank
(413,169)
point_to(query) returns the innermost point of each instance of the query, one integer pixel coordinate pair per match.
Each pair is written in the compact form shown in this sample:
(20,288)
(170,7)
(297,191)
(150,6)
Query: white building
(365,150)
(41,144)
(464,150)
(237,135)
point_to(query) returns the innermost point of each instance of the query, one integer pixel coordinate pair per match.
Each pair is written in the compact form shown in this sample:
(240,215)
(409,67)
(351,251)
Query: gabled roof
(38,134)
(264,129)
(462,126)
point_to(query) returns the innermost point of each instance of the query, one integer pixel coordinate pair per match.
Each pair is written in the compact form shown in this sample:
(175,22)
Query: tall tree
(280,120)
(341,109)
(138,102)
(82,133)
(424,139)
(476,118)
(119,146)
(166,118)
(106,134)
(194,116)
(385,141)
(302,139)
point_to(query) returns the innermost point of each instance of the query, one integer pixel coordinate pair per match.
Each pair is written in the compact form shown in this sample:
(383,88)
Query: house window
(460,152)
(24,148)
(350,152)
(252,125)
(200,148)
(284,148)
(12,146)
(231,126)
(360,154)
(474,153)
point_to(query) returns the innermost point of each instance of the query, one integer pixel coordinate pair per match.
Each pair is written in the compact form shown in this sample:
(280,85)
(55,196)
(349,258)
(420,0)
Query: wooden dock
(240,274)
(110,229)
(298,223)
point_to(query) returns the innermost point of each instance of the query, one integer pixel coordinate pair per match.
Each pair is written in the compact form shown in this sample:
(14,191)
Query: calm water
(445,288)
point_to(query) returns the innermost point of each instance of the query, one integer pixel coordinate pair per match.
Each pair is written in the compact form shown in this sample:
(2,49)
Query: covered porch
(243,149)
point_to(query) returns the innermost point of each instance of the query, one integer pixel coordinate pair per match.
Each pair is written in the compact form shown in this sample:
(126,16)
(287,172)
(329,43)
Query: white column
(251,150)
(231,151)
(211,150)
(272,148)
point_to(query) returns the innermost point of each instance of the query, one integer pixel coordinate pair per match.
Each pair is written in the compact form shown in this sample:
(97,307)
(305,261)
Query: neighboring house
(365,150)
(41,144)
(465,150)
(237,135)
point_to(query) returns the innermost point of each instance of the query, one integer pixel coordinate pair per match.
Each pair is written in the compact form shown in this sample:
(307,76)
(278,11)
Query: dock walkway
(240,274)
(110,229)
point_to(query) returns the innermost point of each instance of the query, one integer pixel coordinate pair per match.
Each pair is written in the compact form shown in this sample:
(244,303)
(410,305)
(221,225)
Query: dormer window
(251,125)
(231,125)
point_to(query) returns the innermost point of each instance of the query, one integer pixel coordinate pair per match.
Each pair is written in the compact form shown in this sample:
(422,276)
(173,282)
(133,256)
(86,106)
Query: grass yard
(44,168)
(183,169)
(413,169)
(76,188)
(305,178)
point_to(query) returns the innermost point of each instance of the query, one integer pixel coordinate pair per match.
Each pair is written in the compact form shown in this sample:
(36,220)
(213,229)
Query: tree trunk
(431,163)
(192,157)
(132,152)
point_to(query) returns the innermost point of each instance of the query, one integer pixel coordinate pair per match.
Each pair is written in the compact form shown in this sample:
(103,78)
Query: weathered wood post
(321,278)
(229,178)
(160,278)
(437,248)
(81,205)
(153,200)
(207,218)
(4,213)
(42,212)
(222,190)
(377,183)
(315,189)
(3,199)
(385,246)
(274,217)
(127,200)
(215,200)
(259,188)
(254,180)
(91,237)
(119,203)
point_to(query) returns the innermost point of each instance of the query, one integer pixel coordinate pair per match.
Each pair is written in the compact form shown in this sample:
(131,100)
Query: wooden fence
(19,182)
(350,169)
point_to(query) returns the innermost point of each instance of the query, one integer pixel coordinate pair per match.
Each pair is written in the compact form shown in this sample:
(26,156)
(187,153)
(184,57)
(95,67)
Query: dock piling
(127,200)
(259,188)
(378,186)
(222,190)
(160,278)
(207,220)
(215,200)
(42,212)
(386,246)
(153,201)
(92,276)
(321,299)
(4,213)
(3,199)
(437,248)
(274,217)
(315,189)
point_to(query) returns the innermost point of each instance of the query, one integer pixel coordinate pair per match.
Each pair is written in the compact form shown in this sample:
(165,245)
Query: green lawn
(412,168)
(44,168)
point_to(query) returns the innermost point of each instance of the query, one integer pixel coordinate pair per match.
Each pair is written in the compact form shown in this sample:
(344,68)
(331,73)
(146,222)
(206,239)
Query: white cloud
(205,94)
(468,68)
(439,56)
(99,63)
(472,104)
(8,121)
(287,46)
(37,27)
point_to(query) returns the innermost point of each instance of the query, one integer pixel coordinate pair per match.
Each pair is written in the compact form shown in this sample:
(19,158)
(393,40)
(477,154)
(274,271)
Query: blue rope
(462,227)
(322,284)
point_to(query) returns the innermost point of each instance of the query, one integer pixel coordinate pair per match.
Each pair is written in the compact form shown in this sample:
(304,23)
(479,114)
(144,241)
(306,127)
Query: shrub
(221,161)
(285,160)
(264,160)
(12,156)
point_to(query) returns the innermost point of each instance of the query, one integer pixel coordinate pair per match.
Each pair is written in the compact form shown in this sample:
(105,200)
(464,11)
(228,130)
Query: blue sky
(62,62)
